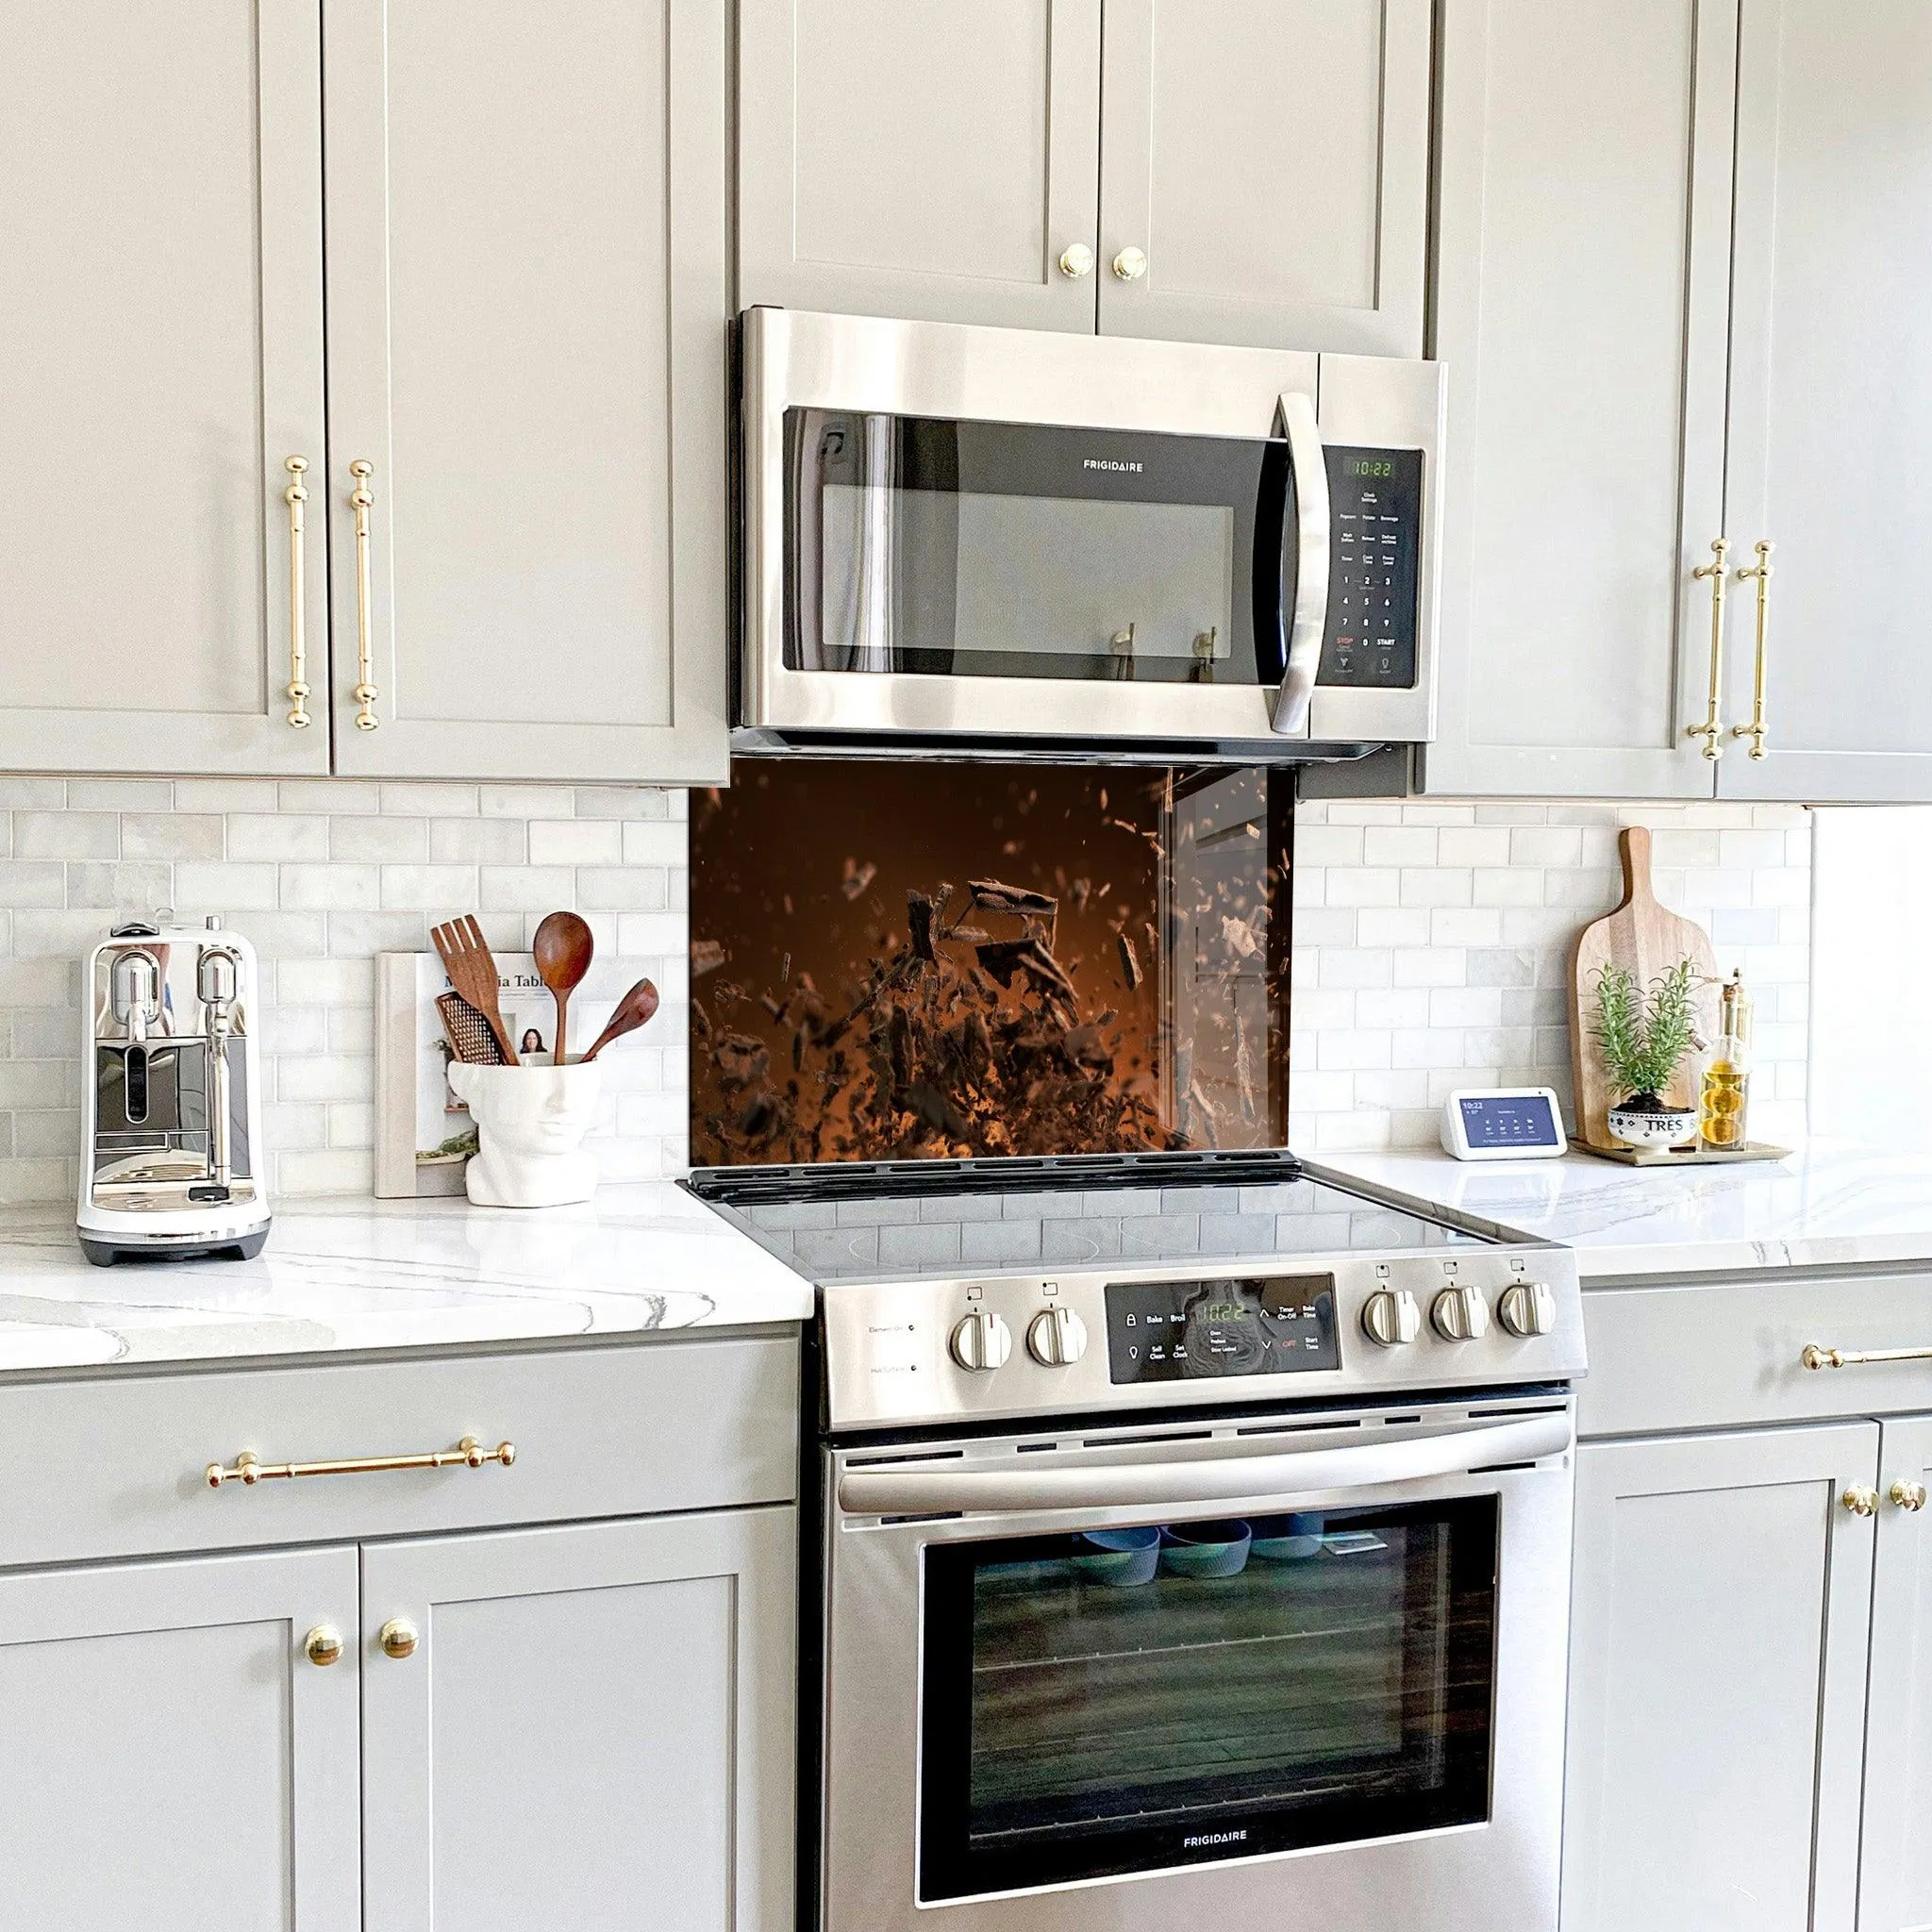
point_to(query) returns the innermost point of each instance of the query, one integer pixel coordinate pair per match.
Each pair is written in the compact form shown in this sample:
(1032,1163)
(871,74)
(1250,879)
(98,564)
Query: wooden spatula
(633,1009)
(465,957)
(1645,940)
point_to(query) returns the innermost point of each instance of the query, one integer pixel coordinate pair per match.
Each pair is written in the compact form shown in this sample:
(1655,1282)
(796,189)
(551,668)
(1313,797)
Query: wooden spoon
(633,1009)
(562,948)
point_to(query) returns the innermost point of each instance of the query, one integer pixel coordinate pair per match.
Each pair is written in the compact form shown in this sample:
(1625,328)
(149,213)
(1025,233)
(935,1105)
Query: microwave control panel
(1376,522)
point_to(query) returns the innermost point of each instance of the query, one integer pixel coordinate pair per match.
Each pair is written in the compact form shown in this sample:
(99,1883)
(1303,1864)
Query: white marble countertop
(342,1275)
(1832,1204)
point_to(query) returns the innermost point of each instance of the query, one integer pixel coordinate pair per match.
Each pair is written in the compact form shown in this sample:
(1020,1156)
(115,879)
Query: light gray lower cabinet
(528,305)
(920,159)
(1831,397)
(1720,1620)
(1582,268)
(160,360)
(1269,163)
(172,1758)
(592,1730)
(1895,1883)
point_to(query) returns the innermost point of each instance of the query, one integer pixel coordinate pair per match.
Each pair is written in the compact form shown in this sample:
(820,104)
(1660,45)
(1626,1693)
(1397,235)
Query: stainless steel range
(1202,1559)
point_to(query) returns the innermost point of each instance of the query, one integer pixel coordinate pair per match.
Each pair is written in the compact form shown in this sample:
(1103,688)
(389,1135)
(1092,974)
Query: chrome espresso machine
(171,1146)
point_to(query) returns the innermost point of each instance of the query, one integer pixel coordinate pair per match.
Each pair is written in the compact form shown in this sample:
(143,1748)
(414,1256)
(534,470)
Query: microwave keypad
(1374,502)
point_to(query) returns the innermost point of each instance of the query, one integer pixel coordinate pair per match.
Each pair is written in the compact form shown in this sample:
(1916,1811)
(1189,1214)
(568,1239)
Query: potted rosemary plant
(1643,1037)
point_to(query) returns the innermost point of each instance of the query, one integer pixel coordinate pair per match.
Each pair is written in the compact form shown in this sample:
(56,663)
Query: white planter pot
(530,1125)
(1664,1129)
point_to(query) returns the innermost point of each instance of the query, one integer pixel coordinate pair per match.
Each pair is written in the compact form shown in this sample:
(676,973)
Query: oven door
(957,533)
(1325,1691)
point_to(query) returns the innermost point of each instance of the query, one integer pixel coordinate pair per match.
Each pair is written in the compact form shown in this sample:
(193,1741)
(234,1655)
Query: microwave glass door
(969,549)
(1079,1723)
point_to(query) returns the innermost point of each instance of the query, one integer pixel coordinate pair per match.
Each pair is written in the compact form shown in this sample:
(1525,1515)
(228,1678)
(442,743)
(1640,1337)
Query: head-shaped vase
(530,1125)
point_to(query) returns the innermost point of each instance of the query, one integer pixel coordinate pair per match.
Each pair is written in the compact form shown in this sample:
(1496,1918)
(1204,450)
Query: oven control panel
(1375,550)
(1205,1330)
(1039,1344)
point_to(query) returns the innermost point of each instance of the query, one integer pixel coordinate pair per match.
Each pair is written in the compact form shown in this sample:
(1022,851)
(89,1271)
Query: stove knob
(982,1341)
(1056,1338)
(1460,1314)
(1390,1317)
(1528,1308)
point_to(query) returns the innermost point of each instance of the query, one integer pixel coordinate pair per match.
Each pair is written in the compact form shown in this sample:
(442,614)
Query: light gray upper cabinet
(920,159)
(161,313)
(174,1759)
(1831,396)
(1895,1865)
(1582,264)
(592,1727)
(1720,1615)
(1269,165)
(527,347)
(1225,171)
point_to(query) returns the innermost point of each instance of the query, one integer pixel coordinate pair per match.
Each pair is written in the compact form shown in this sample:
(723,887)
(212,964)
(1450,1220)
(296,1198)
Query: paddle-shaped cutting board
(1645,940)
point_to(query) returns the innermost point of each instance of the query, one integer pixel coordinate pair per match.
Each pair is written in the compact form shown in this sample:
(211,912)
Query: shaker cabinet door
(527,287)
(173,1761)
(1895,1867)
(588,1727)
(920,159)
(1720,1612)
(1582,267)
(160,360)
(1831,398)
(1264,173)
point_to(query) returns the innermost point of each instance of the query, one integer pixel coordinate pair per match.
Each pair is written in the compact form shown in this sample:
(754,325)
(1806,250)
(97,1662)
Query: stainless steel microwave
(964,539)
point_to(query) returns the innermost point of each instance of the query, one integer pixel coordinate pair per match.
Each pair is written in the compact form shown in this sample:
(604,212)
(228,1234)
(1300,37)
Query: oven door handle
(1244,1480)
(1306,627)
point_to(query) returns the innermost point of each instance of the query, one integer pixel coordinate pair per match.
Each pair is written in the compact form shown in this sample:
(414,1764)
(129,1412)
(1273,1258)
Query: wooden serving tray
(1682,1156)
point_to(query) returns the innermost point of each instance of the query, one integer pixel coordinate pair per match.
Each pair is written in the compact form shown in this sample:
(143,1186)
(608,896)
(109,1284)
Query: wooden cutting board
(1645,940)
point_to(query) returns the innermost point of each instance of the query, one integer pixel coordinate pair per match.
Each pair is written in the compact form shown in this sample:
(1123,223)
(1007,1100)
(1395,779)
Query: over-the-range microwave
(964,540)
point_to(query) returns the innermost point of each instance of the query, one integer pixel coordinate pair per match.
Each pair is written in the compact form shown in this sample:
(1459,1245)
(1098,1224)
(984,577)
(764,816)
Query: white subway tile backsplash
(278,835)
(575,842)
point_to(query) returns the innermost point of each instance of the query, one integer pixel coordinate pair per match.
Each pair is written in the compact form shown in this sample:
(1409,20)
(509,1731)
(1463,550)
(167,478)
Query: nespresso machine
(172,1150)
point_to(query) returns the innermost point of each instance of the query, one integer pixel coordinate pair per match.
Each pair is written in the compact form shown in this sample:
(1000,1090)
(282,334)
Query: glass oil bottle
(1723,1102)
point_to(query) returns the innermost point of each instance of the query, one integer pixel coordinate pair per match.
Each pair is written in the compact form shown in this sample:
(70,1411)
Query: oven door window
(1334,1682)
(1013,550)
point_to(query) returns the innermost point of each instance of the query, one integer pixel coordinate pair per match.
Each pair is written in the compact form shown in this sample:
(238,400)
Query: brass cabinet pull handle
(1761,572)
(1909,1496)
(295,496)
(469,1453)
(1713,729)
(1860,1501)
(365,693)
(1816,1358)
(322,1646)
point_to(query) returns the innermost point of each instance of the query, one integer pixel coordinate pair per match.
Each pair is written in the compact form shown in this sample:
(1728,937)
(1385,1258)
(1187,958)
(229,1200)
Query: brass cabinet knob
(1861,1502)
(322,1645)
(397,1637)
(1076,260)
(1130,264)
(1909,1496)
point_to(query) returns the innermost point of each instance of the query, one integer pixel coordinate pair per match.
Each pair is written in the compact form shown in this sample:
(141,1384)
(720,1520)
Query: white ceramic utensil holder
(530,1125)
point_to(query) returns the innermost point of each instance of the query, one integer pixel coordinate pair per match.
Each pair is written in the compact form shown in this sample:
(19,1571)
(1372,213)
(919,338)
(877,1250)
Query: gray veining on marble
(346,1274)
(1832,1204)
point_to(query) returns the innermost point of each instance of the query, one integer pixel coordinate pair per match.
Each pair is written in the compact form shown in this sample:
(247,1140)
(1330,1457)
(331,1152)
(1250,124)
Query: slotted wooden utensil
(1645,940)
(459,944)
(468,1032)
(562,946)
(633,1009)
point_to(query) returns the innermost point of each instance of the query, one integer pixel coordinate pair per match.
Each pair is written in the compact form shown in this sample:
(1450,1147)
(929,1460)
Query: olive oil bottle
(1723,1103)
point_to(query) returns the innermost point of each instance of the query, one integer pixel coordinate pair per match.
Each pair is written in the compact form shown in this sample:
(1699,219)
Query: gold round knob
(322,1645)
(397,1637)
(1130,264)
(1861,1502)
(1076,260)
(1909,1496)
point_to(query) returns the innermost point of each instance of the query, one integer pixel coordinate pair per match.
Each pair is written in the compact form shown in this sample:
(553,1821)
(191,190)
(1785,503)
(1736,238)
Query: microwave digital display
(1375,508)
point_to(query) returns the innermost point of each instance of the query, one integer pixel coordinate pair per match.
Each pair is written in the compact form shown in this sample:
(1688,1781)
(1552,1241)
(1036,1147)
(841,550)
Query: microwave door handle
(1246,1481)
(1309,621)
